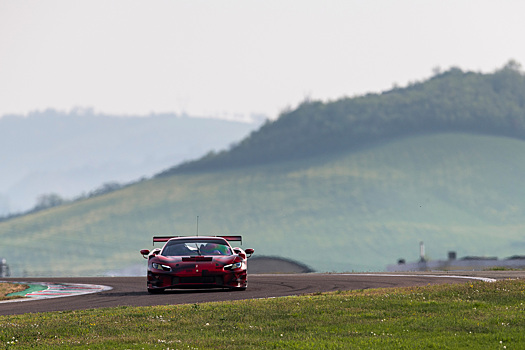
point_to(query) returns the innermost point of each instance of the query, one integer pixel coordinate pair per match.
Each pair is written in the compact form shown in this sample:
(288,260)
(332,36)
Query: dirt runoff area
(8,288)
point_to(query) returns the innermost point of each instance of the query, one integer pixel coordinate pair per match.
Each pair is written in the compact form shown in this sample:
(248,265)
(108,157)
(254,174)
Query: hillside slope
(453,101)
(356,211)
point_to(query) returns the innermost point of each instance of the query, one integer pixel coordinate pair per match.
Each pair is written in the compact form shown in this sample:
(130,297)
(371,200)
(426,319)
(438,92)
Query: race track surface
(131,291)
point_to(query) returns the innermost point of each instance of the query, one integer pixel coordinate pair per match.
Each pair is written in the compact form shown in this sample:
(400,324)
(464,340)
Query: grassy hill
(452,101)
(358,210)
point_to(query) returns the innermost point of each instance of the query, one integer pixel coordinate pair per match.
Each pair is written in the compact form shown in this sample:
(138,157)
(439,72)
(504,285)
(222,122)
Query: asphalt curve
(131,291)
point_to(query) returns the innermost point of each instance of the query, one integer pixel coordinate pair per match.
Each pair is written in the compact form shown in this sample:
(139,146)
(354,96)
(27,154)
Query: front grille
(197,258)
(201,280)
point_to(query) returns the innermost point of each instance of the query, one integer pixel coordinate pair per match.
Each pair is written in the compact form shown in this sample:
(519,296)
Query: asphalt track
(131,291)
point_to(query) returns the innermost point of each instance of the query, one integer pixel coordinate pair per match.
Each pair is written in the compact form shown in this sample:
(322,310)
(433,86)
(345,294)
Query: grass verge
(7,288)
(472,315)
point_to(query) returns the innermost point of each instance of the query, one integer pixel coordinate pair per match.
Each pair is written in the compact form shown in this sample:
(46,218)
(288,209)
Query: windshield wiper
(198,250)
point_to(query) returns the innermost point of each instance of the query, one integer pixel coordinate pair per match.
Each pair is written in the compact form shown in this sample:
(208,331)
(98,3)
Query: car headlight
(161,267)
(236,265)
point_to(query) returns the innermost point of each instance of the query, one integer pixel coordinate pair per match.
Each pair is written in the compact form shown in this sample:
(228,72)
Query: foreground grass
(6,288)
(472,315)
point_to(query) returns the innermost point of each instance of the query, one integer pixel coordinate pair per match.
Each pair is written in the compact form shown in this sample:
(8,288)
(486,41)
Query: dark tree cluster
(450,101)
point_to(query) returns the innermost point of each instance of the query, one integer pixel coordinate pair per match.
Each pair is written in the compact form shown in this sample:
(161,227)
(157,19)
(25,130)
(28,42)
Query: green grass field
(469,315)
(357,211)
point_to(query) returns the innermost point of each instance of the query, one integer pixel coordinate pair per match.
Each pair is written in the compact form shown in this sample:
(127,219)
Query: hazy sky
(233,58)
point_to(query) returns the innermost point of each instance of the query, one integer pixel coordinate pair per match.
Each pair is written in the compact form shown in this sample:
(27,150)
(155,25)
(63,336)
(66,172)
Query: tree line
(450,101)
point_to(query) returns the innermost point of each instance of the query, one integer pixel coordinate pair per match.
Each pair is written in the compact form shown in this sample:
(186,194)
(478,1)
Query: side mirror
(249,251)
(239,252)
(154,252)
(145,253)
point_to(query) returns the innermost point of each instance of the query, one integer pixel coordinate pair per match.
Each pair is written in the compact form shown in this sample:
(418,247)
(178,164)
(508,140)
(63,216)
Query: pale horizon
(233,59)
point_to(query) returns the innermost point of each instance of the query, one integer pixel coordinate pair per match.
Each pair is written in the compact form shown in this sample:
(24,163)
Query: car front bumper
(227,279)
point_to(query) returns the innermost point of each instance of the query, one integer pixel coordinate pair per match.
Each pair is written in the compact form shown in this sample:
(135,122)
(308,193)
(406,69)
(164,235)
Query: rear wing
(167,238)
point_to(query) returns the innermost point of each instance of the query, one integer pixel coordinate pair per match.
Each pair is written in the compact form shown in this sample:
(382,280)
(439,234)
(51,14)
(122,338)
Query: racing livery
(196,262)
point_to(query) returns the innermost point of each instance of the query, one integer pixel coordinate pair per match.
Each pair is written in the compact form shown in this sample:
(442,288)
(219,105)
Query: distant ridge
(452,101)
(73,153)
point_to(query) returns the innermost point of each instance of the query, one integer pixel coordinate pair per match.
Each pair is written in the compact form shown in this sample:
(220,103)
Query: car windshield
(196,247)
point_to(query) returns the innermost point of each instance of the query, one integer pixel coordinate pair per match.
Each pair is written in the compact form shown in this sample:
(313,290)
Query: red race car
(196,262)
